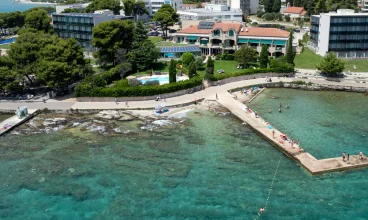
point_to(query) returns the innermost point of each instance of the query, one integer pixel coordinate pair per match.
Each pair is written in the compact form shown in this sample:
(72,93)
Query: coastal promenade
(305,159)
(208,93)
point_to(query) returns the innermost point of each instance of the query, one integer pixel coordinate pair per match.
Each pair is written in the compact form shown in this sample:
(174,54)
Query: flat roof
(202,11)
(90,15)
(341,14)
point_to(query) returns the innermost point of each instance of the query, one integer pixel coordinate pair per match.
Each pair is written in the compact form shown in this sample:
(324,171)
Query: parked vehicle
(296,30)
(282,28)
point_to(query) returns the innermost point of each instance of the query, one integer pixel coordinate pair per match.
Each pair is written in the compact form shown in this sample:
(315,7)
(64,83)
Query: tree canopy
(113,5)
(166,16)
(331,65)
(39,20)
(187,58)
(110,36)
(210,66)
(134,8)
(172,71)
(245,55)
(290,55)
(263,58)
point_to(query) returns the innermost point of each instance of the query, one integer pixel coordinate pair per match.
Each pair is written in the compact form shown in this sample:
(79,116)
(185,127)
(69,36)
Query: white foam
(181,114)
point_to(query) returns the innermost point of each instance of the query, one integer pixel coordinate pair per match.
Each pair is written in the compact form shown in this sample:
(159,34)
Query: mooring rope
(269,191)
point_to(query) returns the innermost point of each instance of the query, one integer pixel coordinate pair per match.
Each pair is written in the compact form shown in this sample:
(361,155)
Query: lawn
(158,41)
(228,65)
(5,46)
(155,39)
(309,60)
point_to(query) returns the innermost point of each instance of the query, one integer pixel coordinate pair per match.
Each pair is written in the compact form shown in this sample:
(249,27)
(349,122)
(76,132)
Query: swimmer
(261,210)
(269,110)
(279,110)
(287,106)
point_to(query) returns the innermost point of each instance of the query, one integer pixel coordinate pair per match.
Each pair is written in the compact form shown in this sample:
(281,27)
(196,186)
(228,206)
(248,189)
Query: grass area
(155,39)
(5,46)
(309,60)
(228,65)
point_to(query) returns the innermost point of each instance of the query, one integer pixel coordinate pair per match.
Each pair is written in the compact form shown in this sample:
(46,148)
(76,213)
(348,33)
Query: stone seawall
(318,87)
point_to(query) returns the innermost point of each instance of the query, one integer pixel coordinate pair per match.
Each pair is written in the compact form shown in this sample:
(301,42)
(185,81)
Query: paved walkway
(14,121)
(209,93)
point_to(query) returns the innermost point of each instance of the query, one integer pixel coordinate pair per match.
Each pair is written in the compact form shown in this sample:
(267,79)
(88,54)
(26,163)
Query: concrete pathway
(14,121)
(209,93)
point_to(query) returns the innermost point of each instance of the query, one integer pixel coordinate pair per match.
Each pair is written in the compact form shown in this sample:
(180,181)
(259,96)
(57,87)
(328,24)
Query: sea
(202,165)
(11,5)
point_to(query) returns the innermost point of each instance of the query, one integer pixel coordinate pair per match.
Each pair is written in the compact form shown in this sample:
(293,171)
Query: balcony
(216,45)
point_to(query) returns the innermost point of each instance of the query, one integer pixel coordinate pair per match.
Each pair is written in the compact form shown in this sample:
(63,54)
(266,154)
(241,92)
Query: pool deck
(14,121)
(305,159)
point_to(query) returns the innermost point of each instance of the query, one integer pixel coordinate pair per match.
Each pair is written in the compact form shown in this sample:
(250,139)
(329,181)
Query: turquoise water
(11,5)
(209,167)
(161,79)
(326,122)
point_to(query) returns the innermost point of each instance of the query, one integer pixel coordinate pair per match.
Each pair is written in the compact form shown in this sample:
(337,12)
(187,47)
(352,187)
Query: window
(231,33)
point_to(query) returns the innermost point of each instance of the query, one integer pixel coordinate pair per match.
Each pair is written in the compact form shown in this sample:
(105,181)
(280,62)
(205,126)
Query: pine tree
(276,6)
(320,7)
(263,58)
(268,6)
(192,70)
(210,66)
(289,50)
(172,71)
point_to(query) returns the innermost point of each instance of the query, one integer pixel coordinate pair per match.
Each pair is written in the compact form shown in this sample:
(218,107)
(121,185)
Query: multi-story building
(153,5)
(61,8)
(344,32)
(247,6)
(364,6)
(216,38)
(79,25)
(213,12)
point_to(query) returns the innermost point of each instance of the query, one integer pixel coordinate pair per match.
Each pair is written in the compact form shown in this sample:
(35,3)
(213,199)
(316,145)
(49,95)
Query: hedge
(85,90)
(250,72)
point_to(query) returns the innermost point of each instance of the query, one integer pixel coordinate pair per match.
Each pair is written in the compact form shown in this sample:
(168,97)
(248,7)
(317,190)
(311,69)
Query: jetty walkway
(305,159)
(14,121)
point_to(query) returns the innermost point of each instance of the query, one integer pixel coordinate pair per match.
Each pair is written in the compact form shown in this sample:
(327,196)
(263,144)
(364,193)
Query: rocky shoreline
(317,87)
(113,122)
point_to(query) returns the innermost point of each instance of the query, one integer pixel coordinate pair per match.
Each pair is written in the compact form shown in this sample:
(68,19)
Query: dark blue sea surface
(207,167)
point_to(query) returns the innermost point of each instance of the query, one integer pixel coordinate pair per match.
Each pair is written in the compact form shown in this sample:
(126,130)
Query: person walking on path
(216,97)
(116,100)
(273,134)
(126,104)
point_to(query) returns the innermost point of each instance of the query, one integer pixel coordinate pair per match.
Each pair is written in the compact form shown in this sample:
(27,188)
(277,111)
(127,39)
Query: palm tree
(139,8)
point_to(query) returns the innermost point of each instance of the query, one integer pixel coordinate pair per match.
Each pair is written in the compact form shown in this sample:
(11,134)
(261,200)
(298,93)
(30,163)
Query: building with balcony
(212,12)
(79,25)
(364,6)
(153,5)
(217,38)
(343,32)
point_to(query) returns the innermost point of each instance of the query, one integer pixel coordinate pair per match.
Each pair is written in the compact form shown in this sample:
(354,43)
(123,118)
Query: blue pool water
(161,79)
(7,41)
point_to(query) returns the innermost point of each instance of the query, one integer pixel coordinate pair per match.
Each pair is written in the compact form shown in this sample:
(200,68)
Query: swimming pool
(163,79)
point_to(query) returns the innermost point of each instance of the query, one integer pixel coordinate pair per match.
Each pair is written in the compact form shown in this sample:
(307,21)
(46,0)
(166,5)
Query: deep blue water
(11,5)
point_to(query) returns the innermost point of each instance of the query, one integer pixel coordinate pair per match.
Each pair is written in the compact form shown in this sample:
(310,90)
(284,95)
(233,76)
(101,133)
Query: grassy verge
(309,60)
(5,46)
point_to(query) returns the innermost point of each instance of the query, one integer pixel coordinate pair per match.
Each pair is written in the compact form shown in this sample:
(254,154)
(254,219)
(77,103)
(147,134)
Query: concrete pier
(305,159)
(13,122)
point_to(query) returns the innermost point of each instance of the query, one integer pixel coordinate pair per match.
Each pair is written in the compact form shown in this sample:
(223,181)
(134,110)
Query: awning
(266,42)
(243,41)
(279,42)
(254,41)
(192,38)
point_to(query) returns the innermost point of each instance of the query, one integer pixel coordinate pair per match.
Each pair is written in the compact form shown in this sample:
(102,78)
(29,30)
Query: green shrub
(260,14)
(287,18)
(218,56)
(229,57)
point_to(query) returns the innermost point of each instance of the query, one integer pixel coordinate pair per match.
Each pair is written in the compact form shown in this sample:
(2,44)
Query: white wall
(254,6)
(323,35)
(235,4)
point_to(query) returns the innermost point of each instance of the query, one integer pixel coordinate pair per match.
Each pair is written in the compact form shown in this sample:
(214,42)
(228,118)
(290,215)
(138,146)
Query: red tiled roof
(294,10)
(264,32)
(222,26)
(303,13)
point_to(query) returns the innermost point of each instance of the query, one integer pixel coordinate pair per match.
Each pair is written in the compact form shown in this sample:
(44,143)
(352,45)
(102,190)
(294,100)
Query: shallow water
(326,122)
(209,167)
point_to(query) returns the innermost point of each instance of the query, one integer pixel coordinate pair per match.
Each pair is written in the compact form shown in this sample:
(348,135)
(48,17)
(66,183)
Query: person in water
(279,110)
(261,210)
(269,110)
(287,106)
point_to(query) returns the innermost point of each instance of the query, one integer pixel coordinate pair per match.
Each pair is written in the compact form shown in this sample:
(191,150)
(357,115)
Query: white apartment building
(247,6)
(212,12)
(153,5)
(364,7)
(343,32)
